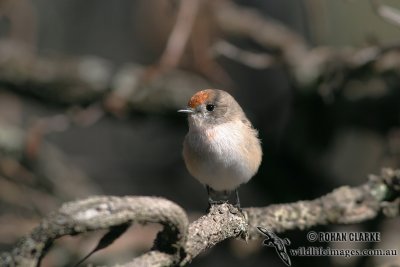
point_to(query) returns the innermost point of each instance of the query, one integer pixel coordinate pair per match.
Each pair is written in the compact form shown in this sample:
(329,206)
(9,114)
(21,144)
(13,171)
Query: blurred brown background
(89,92)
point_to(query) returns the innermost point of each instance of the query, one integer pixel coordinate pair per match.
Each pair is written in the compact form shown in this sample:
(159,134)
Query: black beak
(186,110)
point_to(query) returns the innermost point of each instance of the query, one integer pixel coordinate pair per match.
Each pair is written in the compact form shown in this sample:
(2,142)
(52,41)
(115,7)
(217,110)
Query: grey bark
(179,243)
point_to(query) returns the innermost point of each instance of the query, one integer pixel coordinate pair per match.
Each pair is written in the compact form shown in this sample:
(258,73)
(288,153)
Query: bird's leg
(210,200)
(211,194)
(237,204)
(216,197)
(220,197)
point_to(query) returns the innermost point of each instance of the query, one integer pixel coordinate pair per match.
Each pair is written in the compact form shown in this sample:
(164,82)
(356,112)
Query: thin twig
(253,60)
(180,34)
(387,13)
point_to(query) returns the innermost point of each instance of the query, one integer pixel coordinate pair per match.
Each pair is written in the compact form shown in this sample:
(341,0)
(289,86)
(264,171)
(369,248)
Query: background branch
(320,66)
(84,80)
(180,34)
(387,13)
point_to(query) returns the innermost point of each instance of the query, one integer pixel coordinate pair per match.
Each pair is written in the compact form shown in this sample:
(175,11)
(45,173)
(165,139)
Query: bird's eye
(210,107)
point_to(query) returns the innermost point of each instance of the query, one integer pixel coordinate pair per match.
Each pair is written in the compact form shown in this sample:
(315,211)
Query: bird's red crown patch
(198,99)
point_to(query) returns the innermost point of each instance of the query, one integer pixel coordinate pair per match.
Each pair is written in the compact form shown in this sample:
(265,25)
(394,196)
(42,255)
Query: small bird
(221,149)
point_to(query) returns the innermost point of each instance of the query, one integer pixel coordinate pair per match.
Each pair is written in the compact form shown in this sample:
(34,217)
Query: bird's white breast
(223,156)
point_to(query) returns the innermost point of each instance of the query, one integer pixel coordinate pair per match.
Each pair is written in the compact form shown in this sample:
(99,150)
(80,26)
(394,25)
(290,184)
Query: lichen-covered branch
(99,213)
(345,205)
(222,222)
(180,242)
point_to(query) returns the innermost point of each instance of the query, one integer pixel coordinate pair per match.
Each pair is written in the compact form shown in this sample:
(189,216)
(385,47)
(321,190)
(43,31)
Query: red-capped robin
(221,149)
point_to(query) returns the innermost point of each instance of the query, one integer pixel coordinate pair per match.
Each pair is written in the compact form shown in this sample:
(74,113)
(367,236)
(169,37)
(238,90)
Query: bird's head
(212,107)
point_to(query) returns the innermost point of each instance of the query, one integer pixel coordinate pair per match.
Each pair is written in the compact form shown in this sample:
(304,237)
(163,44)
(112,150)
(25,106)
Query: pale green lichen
(380,191)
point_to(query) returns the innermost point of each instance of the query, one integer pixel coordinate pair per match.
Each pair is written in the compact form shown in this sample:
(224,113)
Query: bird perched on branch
(221,149)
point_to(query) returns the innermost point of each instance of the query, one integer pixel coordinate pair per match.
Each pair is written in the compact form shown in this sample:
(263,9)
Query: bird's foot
(212,202)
